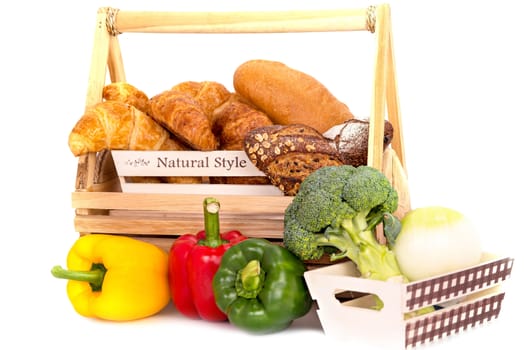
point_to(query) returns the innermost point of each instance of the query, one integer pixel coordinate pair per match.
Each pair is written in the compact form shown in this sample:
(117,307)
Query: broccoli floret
(297,239)
(336,211)
(369,189)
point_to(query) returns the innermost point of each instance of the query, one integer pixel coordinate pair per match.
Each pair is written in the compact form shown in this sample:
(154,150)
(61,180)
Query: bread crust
(351,140)
(184,118)
(234,119)
(186,110)
(209,95)
(289,96)
(127,93)
(287,154)
(118,125)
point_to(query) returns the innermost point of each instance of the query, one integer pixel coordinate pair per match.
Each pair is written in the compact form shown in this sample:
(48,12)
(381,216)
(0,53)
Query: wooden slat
(97,73)
(393,104)
(179,203)
(378,106)
(99,60)
(195,216)
(241,22)
(155,226)
(392,168)
(115,62)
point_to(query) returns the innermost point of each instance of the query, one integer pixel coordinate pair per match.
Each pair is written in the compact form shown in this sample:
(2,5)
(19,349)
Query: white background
(460,79)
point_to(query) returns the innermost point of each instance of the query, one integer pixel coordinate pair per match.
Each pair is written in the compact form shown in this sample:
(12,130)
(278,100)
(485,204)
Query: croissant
(231,123)
(234,119)
(125,92)
(184,117)
(118,125)
(209,95)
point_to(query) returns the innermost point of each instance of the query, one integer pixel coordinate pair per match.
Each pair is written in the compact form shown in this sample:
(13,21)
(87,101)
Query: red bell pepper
(194,260)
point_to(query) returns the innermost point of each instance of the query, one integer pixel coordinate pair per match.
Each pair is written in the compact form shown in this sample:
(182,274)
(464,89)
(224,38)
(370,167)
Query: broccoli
(336,211)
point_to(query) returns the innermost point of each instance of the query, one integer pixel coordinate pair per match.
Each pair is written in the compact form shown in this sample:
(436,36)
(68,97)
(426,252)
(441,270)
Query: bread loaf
(289,96)
(351,140)
(287,154)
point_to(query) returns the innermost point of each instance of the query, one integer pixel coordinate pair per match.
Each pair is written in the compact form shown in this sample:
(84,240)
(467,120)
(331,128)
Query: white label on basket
(184,163)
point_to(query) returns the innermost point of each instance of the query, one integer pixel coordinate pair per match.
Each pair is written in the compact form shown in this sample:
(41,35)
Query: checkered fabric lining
(436,290)
(451,321)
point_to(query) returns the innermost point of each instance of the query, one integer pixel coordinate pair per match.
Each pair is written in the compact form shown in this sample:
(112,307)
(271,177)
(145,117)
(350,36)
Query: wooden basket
(101,205)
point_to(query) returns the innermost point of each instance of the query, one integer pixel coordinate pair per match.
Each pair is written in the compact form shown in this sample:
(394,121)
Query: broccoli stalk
(336,210)
(355,241)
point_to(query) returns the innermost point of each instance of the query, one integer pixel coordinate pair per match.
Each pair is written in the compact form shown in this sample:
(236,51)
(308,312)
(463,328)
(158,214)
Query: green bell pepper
(260,286)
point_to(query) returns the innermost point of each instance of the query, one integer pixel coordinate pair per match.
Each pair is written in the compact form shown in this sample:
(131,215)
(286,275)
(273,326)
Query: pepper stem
(211,223)
(250,280)
(95,276)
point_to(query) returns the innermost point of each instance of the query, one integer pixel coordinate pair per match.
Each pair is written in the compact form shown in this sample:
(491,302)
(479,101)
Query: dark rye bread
(350,139)
(287,154)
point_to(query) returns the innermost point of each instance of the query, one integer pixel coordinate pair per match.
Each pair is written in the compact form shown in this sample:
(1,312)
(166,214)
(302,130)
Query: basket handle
(384,94)
(240,22)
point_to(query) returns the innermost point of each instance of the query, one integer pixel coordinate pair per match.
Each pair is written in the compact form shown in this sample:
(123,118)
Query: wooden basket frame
(99,205)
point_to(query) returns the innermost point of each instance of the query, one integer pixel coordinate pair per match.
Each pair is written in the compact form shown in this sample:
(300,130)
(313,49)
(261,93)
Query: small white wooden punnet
(464,298)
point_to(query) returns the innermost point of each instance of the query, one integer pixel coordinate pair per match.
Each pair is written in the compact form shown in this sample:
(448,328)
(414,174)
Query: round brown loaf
(289,96)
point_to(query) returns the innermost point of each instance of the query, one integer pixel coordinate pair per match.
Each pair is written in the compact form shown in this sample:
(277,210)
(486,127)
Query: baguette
(289,96)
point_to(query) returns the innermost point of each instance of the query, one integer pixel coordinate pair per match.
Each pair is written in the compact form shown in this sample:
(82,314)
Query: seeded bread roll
(287,154)
(289,96)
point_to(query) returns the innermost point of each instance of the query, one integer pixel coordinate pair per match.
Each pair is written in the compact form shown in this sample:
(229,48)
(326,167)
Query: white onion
(436,240)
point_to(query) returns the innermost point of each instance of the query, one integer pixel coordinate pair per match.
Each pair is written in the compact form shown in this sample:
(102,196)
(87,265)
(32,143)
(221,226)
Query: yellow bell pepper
(116,278)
